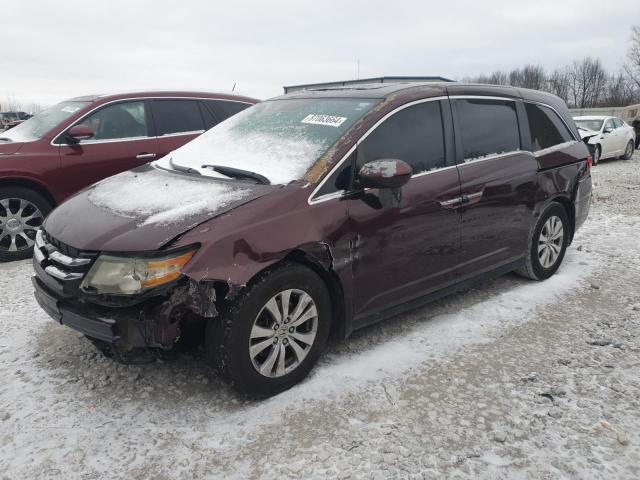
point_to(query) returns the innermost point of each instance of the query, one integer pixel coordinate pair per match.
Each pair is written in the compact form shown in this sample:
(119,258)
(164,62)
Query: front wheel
(269,337)
(22,213)
(628,152)
(547,244)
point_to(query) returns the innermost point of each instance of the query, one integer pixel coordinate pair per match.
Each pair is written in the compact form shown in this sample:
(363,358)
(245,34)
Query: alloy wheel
(283,333)
(19,222)
(550,242)
(629,151)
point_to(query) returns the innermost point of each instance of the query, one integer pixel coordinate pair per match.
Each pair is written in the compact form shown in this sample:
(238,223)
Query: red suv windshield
(43,122)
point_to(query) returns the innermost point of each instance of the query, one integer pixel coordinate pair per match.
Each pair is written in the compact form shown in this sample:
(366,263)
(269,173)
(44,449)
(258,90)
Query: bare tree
(530,76)
(620,91)
(11,104)
(496,78)
(558,83)
(632,65)
(587,80)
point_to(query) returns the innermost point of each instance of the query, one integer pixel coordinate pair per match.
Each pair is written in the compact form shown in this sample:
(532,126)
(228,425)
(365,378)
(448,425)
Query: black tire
(597,152)
(533,267)
(23,250)
(228,336)
(628,152)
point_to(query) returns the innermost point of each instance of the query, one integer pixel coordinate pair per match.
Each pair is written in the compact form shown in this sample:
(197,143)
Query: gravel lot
(513,380)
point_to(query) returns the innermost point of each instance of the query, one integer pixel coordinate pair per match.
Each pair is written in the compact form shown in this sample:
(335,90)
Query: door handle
(472,197)
(452,203)
(145,156)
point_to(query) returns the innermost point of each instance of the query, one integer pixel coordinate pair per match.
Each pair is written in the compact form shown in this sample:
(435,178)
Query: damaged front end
(79,291)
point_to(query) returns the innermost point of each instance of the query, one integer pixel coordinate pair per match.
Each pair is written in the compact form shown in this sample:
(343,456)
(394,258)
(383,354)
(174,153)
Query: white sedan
(608,137)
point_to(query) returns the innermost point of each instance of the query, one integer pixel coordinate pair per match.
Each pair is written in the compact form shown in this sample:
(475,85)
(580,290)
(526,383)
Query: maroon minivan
(316,212)
(78,142)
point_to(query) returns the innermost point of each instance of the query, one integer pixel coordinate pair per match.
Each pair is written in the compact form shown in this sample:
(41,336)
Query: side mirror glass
(80,132)
(384,173)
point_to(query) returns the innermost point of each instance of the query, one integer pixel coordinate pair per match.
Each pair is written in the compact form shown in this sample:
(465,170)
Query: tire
(597,153)
(537,267)
(22,212)
(229,341)
(628,152)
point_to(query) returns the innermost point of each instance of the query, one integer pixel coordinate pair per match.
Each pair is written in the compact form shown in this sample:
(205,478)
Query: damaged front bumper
(157,322)
(153,319)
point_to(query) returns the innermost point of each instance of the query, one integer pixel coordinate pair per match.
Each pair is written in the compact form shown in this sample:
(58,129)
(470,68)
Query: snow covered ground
(512,380)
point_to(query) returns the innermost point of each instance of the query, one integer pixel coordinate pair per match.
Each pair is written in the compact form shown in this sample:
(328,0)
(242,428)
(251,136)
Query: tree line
(583,84)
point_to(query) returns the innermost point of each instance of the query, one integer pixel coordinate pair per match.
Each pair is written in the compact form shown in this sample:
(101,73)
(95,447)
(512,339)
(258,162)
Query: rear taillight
(589,161)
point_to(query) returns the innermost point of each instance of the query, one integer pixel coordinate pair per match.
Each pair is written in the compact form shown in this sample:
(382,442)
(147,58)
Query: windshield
(594,125)
(278,139)
(42,122)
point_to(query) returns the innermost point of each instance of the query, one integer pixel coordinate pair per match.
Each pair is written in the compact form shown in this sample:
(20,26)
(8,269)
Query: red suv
(75,143)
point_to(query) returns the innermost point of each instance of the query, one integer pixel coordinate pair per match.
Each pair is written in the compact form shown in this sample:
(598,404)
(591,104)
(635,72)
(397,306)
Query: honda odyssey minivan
(314,213)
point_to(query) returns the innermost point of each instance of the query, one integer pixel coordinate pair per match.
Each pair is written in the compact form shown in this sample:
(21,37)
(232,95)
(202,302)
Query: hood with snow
(144,209)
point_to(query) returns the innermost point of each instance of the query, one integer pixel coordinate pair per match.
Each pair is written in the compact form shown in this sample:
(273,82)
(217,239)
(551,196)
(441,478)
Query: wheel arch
(569,208)
(323,267)
(31,185)
(317,258)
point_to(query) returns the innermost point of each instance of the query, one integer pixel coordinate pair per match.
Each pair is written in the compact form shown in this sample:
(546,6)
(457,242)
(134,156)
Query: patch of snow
(162,198)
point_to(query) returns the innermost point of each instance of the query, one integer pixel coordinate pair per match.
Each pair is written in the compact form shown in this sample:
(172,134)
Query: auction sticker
(328,120)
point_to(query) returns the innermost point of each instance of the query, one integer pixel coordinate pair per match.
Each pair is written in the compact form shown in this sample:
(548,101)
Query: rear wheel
(22,213)
(269,337)
(547,244)
(628,152)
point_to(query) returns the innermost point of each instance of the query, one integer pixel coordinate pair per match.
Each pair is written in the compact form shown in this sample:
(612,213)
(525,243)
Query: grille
(61,261)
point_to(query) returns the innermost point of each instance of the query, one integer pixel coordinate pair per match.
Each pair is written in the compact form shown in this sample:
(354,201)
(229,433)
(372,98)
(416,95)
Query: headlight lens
(127,276)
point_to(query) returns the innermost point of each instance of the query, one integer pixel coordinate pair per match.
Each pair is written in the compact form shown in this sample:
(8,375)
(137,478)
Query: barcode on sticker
(329,120)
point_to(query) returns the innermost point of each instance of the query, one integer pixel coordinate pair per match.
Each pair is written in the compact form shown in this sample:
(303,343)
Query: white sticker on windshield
(70,109)
(329,120)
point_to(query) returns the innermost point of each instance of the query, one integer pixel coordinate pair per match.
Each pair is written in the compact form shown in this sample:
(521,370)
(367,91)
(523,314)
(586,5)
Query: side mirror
(384,173)
(607,130)
(80,132)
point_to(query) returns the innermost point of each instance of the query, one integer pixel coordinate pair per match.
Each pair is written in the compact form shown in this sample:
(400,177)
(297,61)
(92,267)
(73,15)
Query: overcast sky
(52,50)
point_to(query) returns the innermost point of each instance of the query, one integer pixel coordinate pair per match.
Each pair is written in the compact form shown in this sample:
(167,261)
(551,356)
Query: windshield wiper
(180,168)
(238,173)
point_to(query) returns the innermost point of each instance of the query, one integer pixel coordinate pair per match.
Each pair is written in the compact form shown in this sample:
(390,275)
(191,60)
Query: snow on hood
(144,209)
(162,198)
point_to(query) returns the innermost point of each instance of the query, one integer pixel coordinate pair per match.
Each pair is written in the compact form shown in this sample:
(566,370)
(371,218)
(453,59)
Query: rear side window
(414,135)
(118,121)
(177,116)
(546,127)
(487,127)
(224,109)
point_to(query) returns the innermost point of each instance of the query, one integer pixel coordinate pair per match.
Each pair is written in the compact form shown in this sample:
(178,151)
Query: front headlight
(126,276)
